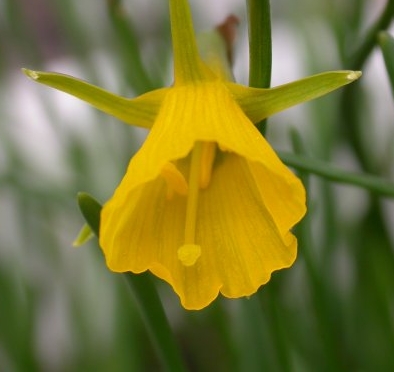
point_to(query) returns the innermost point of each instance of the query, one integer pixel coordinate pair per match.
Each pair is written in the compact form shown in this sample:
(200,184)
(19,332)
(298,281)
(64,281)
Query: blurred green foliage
(61,310)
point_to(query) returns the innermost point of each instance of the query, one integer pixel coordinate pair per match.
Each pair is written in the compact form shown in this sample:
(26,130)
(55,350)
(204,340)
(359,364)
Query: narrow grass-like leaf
(145,293)
(155,320)
(321,297)
(91,210)
(136,76)
(361,54)
(320,168)
(386,42)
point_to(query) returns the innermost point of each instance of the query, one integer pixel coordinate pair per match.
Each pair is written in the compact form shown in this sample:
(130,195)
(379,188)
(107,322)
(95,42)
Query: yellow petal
(259,104)
(140,228)
(243,217)
(284,196)
(239,242)
(201,112)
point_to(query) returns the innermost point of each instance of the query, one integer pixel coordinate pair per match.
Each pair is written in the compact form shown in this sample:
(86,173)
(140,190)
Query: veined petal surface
(258,104)
(242,223)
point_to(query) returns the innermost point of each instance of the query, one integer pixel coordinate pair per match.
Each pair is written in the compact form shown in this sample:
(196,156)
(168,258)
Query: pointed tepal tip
(30,73)
(353,75)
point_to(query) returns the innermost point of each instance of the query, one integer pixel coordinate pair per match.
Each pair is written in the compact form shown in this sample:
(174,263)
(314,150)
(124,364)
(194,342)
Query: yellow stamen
(201,163)
(174,179)
(207,159)
(189,252)
(193,193)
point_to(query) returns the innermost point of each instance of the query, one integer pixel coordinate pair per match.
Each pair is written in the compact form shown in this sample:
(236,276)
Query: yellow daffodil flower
(205,204)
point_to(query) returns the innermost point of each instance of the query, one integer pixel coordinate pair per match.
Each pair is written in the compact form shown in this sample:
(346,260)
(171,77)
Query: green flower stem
(146,296)
(260,64)
(187,66)
(320,168)
(260,47)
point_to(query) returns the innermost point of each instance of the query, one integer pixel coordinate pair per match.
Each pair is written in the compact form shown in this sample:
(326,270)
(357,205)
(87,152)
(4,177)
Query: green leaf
(156,322)
(145,294)
(359,57)
(140,111)
(323,169)
(84,236)
(137,77)
(386,42)
(259,104)
(91,210)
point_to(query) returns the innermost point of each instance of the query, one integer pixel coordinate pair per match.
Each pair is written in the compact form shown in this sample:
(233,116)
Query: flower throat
(201,162)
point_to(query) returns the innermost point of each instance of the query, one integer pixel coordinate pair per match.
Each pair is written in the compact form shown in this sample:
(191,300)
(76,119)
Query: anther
(174,179)
(207,158)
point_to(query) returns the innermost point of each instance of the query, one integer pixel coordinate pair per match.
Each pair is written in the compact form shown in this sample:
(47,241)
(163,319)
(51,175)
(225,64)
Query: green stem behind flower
(188,66)
(260,47)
